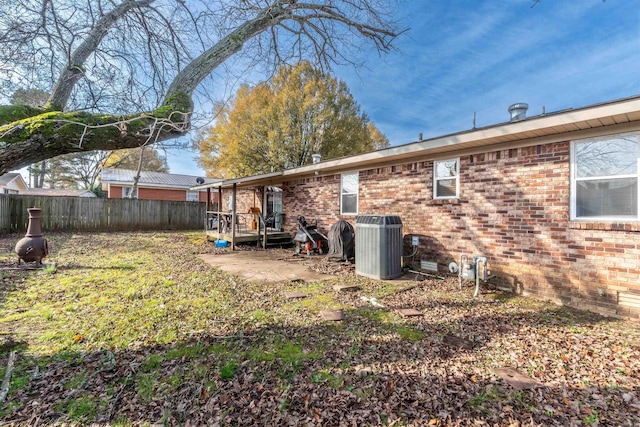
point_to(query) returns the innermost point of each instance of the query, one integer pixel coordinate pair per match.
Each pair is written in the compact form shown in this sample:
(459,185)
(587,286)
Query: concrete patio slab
(262,267)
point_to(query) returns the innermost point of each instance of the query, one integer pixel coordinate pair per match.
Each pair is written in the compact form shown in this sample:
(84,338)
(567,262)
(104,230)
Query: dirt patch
(267,266)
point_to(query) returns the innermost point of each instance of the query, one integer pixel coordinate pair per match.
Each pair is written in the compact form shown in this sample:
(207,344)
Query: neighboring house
(118,183)
(12,183)
(551,200)
(58,192)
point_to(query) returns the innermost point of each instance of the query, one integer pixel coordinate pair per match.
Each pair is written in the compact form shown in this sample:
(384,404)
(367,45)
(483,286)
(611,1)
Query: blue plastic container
(221,243)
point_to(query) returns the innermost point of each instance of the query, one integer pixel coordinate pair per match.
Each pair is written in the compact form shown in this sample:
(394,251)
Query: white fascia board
(252,180)
(477,137)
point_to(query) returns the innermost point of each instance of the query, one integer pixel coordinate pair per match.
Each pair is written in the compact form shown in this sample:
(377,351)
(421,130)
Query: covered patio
(245,224)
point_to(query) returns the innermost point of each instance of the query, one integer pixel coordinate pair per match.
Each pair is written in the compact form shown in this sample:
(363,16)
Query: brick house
(118,184)
(551,200)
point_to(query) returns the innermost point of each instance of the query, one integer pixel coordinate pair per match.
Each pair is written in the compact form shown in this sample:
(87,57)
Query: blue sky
(463,56)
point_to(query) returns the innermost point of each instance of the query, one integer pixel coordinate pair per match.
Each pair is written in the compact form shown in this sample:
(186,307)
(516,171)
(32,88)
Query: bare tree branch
(74,69)
(105,63)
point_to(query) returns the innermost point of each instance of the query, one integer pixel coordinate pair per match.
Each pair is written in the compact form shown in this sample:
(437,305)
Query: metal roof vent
(316,158)
(518,111)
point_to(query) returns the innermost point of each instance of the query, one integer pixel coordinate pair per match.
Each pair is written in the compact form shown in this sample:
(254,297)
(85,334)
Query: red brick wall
(513,209)
(317,199)
(115,192)
(244,200)
(161,194)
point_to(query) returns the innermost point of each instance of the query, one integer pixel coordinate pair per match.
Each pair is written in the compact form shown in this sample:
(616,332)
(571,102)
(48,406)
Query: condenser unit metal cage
(379,246)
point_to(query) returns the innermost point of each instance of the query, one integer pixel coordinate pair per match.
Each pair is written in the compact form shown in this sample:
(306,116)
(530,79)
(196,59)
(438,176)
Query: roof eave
(248,181)
(620,115)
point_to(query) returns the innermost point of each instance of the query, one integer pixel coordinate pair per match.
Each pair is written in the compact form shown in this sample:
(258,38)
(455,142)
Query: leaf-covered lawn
(134,329)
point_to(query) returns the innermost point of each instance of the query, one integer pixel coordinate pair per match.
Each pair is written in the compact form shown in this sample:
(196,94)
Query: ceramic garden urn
(33,246)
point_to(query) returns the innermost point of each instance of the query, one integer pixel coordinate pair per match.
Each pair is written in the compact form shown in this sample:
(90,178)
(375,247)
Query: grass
(592,419)
(186,351)
(76,381)
(325,377)
(137,318)
(388,322)
(485,397)
(145,385)
(228,370)
(49,269)
(152,363)
(87,299)
(82,408)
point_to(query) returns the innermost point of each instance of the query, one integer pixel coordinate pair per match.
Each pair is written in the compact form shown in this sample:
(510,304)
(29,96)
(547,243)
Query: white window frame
(195,196)
(342,176)
(436,179)
(573,190)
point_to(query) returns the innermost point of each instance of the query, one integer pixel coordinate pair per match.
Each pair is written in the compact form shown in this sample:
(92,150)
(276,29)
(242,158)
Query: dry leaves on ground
(209,349)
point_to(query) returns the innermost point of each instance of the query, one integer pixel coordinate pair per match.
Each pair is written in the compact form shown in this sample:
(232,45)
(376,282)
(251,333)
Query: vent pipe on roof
(316,158)
(518,111)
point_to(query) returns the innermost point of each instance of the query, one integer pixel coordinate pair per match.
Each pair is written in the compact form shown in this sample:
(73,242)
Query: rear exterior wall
(513,209)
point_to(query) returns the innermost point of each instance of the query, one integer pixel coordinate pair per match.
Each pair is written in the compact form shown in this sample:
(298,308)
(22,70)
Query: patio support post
(262,206)
(233,218)
(219,206)
(207,209)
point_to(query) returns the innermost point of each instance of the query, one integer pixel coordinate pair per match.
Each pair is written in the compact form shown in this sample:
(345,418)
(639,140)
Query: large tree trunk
(51,134)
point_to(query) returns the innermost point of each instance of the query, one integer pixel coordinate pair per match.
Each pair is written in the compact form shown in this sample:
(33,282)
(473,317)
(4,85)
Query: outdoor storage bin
(379,246)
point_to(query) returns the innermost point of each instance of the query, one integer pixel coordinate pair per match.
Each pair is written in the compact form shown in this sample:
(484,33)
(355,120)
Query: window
(604,178)
(193,196)
(349,194)
(126,193)
(446,179)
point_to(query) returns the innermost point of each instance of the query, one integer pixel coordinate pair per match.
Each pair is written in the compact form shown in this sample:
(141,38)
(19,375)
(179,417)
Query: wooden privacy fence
(88,213)
(5,220)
